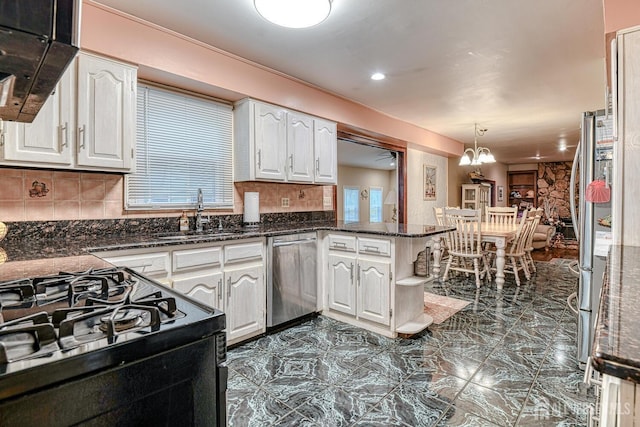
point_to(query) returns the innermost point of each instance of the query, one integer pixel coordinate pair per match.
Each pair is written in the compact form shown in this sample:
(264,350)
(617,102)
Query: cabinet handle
(81,131)
(358,275)
(371,249)
(339,245)
(220,289)
(351,273)
(291,163)
(228,288)
(318,165)
(259,159)
(63,136)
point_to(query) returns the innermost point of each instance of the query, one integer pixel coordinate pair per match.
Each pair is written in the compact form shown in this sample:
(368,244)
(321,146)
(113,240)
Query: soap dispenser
(184,222)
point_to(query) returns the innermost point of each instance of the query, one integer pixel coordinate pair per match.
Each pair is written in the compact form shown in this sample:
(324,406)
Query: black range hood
(38,40)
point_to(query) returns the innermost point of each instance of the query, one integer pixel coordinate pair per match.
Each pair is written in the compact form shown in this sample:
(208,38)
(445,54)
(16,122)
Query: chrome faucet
(199,209)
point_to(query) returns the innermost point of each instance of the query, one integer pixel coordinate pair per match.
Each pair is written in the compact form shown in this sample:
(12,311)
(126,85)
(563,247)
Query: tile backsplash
(44,195)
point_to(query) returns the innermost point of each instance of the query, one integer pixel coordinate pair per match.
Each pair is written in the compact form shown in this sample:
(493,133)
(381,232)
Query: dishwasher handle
(277,243)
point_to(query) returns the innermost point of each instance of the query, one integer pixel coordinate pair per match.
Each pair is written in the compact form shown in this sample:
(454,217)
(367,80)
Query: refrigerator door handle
(572,192)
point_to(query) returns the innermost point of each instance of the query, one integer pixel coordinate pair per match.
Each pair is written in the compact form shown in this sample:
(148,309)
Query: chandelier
(294,13)
(477,155)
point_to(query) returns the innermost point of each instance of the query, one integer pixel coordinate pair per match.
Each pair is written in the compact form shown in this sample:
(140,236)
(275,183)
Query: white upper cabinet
(269,134)
(299,139)
(106,113)
(326,151)
(49,138)
(272,143)
(87,123)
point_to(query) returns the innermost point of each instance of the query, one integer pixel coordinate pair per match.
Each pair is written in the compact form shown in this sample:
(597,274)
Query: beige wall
(420,211)
(459,175)
(364,179)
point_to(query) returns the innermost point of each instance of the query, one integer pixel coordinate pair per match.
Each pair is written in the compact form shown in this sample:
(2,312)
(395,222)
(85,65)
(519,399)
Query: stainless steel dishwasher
(292,284)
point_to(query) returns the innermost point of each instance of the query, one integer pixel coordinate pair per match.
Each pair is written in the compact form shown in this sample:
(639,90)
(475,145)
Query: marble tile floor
(507,359)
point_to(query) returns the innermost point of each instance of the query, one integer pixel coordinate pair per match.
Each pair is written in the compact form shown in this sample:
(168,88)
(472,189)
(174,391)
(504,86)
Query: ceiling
(364,156)
(524,70)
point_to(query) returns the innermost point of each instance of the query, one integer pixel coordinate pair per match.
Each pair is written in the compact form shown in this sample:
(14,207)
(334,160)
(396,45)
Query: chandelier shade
(294,13)
(477,155)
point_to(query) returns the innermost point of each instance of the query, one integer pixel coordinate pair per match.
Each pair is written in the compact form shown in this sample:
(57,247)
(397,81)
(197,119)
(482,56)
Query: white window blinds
(183,143)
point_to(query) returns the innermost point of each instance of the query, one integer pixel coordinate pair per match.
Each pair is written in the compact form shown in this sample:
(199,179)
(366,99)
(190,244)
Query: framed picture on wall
(429,182)
(500,193)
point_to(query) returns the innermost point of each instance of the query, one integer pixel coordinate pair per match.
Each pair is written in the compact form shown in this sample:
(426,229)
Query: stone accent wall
(553,184)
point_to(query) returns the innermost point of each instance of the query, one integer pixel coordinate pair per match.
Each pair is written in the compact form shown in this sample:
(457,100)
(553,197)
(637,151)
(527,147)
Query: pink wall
(161,53)
(620,14)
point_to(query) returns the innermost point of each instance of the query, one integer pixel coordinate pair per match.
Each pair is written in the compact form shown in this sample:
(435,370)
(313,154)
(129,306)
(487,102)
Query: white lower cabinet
(245,305)
(342,290)
(156,265)
(206,288)
(370,282)
(359,285)
(228,277)
(374,279)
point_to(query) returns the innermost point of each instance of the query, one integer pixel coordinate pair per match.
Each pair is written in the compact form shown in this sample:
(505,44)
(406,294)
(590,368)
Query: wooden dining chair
(466,243)
(537,215)
(501,214)
(515,253)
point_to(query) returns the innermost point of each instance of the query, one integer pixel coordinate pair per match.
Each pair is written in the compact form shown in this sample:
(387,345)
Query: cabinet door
(106,113)
(270,124)
(342,290)
(206,288)
(245,305)
(299,147)
(373,290)
(326,151)
(48,139)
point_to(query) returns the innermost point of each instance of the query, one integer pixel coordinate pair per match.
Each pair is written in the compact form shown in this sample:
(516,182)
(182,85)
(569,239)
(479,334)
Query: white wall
(364,178)
(420,211)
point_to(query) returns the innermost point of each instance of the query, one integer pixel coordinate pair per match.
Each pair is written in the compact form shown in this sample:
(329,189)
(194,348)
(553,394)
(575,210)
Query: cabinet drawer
(342,243)
(197,258)
(155,264)
(242,252)
(374,246)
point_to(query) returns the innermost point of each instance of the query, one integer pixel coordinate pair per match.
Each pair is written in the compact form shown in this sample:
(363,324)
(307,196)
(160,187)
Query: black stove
(64,333)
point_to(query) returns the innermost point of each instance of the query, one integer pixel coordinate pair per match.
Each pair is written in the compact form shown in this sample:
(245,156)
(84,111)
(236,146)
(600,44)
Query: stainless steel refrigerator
(591,216)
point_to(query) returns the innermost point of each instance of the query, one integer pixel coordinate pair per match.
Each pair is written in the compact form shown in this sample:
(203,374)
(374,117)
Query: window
(183,143)
(351,204)
(375,204)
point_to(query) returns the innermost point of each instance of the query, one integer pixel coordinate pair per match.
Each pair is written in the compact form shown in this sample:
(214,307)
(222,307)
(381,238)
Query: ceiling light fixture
(477,155)
(377,76)
(294,13)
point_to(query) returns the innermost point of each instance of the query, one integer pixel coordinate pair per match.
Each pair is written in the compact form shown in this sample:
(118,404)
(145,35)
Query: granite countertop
(32,249)
(616,349)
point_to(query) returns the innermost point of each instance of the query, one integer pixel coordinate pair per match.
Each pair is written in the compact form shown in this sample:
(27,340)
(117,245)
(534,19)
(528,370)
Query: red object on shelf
(598,192)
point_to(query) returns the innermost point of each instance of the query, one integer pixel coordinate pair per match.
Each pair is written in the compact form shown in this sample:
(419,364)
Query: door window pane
(375,204)
(351,204)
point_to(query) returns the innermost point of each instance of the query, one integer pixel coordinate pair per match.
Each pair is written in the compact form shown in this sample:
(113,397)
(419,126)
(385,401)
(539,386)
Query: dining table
(498,234)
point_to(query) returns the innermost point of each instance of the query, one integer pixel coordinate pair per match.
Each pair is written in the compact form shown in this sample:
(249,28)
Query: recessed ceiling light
(377,76)
(294,13)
